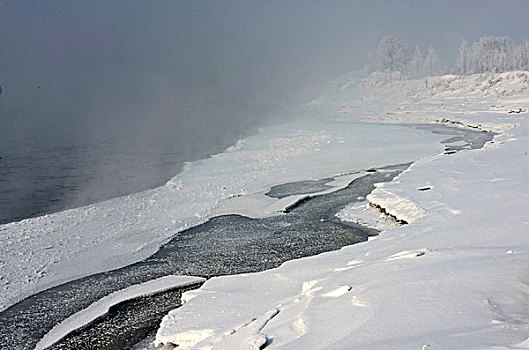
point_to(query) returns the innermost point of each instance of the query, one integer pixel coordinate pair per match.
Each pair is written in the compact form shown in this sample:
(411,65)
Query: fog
(204,72)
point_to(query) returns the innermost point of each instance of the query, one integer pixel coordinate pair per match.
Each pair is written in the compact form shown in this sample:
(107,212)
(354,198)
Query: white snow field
(38,253)
(455,277)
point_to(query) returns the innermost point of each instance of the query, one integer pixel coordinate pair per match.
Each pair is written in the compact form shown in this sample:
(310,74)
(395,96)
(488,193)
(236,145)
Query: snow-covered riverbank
(455,277)
(46,251)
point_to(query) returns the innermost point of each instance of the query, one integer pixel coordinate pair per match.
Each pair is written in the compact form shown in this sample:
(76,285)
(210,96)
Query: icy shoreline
(46,251)
(239,244)
(455,277)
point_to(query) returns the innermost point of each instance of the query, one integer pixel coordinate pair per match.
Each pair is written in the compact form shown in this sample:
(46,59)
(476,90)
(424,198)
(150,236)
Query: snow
(102,306)
(455,277)
(362,213)
(259,205)
(42,252)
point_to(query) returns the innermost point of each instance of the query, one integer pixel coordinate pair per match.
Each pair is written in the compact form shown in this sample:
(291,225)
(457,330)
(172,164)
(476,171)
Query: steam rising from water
(142,84)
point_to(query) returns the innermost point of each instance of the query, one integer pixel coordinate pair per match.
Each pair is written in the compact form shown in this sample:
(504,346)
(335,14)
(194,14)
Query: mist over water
(43,178)
(104,98)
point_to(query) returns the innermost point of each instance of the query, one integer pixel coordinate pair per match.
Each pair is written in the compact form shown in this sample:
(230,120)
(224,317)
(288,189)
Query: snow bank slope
(455,278)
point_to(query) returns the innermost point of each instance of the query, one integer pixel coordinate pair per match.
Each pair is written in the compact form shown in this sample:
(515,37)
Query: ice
(396,204)
(364,214)
(454,277)
(102,306)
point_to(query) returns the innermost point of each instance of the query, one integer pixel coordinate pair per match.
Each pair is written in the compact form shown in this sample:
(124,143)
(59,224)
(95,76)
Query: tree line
(487,54)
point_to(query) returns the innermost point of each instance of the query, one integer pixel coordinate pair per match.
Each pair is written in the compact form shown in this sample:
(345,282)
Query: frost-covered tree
(416,64)
(432,63)
(395,57)
(492,54)
(391,55)
(462,61)
(525,55)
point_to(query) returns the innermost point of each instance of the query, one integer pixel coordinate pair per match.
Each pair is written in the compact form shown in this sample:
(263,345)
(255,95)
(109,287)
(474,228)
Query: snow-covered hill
(455,277)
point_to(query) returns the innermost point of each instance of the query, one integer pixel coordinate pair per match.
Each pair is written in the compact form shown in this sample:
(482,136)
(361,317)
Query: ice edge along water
(456,277)
(103,305)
